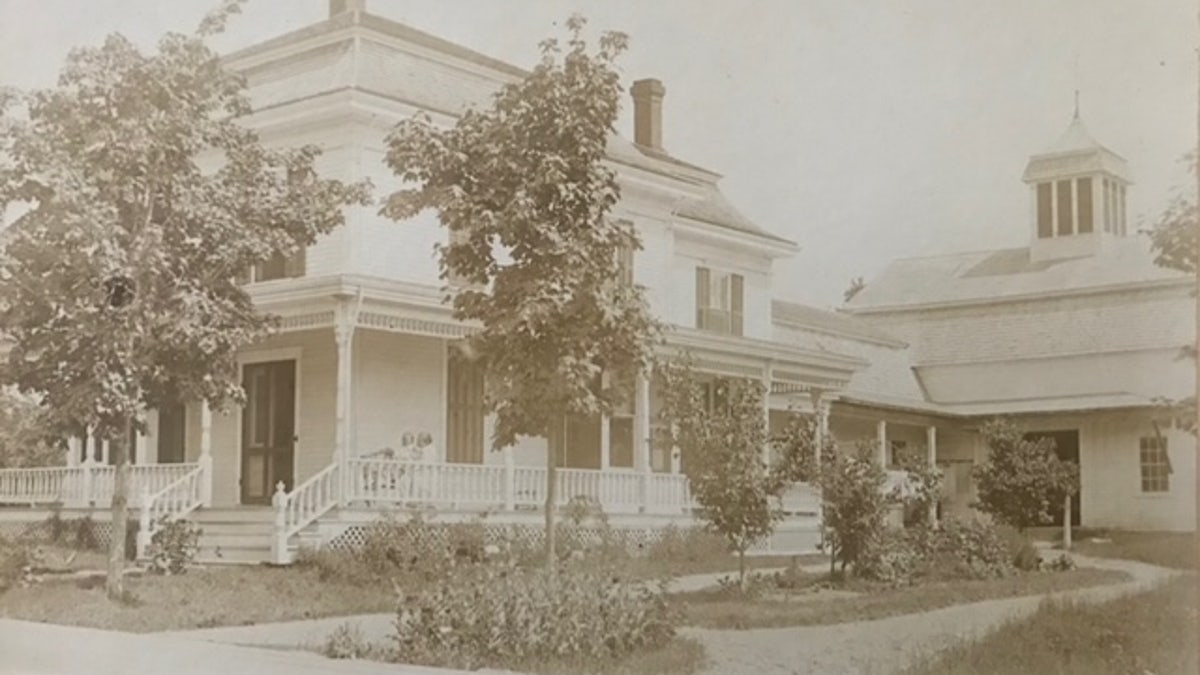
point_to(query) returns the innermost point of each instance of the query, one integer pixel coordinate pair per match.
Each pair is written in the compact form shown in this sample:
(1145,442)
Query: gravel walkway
(892,644)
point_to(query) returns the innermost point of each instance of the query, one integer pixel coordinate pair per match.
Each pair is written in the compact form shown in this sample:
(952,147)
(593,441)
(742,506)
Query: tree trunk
(742,569)
(555,441)
(114,584)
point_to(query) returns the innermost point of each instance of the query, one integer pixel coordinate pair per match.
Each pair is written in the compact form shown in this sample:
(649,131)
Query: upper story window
(280,266)
(1155,464)
(625,265)
(719,301)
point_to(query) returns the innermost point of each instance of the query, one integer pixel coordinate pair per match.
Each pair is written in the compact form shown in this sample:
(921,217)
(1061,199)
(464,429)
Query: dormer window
(279,266)
(719,301)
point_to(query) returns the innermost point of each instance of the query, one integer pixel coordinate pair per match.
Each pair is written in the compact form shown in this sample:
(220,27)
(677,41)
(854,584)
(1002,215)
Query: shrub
(1063,563)
(1022,480)
(347,642)
(979,550)
(173,546)
(488,615)
(852,486)
(893,556)
(686,549)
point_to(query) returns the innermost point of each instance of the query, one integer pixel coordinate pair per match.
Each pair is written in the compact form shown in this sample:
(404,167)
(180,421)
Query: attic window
(719,301)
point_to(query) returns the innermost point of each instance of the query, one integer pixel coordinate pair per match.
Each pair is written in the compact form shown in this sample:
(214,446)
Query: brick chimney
(342,6)
(647,113)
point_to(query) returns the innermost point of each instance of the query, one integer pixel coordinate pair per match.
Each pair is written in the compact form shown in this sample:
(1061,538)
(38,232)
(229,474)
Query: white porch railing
(297,509)
(500,486)
(84,485)
(174,501)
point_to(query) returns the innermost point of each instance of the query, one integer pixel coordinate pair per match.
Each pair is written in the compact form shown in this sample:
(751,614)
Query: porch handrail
(175,501)
(35,485)
(307,502)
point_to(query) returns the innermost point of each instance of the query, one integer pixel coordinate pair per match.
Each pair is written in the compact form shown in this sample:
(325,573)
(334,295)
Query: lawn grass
(202,598)
(1166,549)
(1152,632)
(647,567)
(715,608)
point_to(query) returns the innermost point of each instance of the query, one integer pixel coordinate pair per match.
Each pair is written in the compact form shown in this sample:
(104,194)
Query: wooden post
(205,460)
(768,375)
(343,333)
(1067,523)
(881,434)
(821,406)
(279,547)
(144,524)
(931,455)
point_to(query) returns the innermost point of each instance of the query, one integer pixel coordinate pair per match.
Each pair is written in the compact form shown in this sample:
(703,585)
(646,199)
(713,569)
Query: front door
(268,429)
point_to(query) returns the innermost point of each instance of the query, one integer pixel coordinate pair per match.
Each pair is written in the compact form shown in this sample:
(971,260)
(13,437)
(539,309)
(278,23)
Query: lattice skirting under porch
(429,537)
(72,532)
(432,537)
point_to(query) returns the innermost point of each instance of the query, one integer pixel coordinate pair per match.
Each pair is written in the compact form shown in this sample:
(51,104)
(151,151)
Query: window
(1045,211)
(1155,463)
(280,267)
(171,433)
(1066,218)
(719,301)
(464,409)
(625,264)
(1083,193)
(620,428)
(897,453)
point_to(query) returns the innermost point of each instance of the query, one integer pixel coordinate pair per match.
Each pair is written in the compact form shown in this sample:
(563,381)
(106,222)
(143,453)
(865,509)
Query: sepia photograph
(597,337)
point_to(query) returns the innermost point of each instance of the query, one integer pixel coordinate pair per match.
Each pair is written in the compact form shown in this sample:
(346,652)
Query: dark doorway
(268,429)
(172,421)
(1066,446)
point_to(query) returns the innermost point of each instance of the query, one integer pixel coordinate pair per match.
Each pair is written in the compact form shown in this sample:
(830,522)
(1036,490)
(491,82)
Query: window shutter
(736,286)
(702,295)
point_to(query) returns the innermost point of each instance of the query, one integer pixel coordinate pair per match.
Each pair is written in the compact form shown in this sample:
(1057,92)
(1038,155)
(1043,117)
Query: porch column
(931,457)
(766,449)
(346,316)
(881,437)
(73,451)
(821,407)
(641,434)
(205,460)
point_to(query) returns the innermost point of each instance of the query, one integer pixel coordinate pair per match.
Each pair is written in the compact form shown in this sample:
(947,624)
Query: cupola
(1078,191)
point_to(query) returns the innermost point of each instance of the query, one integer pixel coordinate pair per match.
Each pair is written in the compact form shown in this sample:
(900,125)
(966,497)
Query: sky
(865,131)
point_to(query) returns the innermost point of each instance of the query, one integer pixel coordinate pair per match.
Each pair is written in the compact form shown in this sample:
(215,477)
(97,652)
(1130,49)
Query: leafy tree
(119,287)
(739,495)
(856,502)
(25,439)
(1022,479)
(1175,240)
(524,191)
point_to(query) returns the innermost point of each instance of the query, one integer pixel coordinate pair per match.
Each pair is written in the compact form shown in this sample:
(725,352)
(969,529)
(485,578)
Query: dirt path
(892,644)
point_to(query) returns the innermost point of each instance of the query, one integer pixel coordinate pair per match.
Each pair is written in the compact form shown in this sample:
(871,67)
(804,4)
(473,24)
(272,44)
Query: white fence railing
(174,501)
(84,485)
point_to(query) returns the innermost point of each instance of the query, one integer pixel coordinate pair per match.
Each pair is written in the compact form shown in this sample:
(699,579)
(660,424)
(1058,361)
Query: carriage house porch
(355,366)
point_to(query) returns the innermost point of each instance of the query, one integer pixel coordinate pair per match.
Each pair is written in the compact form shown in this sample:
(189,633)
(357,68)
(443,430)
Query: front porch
(360,367)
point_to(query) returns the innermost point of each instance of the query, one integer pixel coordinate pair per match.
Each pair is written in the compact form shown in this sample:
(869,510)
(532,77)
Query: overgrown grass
(1152,632)
(1166,549)
(718,608)
(202,598)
